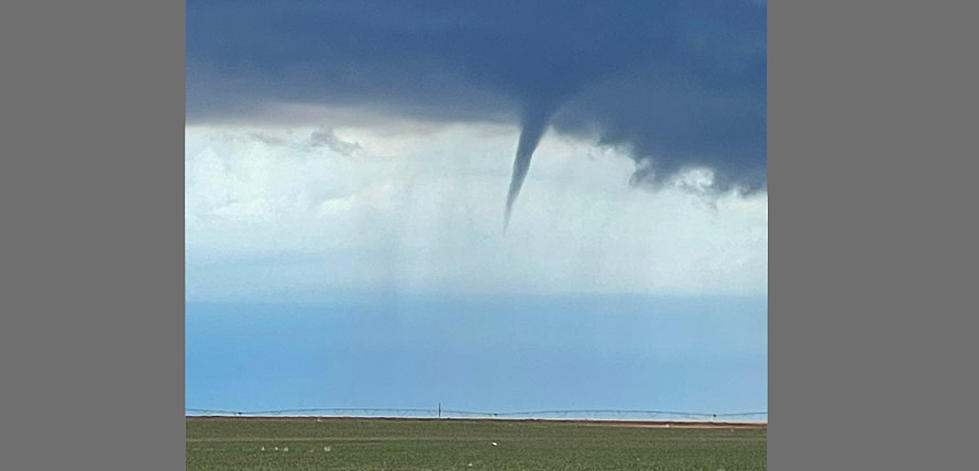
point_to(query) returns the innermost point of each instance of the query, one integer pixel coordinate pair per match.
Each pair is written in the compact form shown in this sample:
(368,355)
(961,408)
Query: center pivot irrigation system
(439,412)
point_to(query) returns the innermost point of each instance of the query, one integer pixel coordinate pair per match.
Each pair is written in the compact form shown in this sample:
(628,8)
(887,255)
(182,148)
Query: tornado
(532,129)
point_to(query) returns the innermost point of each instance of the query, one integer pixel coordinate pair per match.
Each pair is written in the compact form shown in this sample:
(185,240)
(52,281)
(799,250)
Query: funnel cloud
(532,130)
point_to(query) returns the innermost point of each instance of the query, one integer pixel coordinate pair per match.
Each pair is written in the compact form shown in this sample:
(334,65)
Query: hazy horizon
(500,355)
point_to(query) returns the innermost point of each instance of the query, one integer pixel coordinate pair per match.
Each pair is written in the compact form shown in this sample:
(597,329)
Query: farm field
(457,444)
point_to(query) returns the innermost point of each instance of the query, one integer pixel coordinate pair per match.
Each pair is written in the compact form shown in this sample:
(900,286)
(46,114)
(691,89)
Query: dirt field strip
(593,422)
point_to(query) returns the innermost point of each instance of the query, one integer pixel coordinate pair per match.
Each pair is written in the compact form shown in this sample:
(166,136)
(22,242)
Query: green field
(374,444)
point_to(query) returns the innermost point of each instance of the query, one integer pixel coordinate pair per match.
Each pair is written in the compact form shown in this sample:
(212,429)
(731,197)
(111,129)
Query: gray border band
(872,230)
(92,191)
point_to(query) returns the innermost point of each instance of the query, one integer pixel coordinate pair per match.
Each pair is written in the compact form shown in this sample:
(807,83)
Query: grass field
(375,444)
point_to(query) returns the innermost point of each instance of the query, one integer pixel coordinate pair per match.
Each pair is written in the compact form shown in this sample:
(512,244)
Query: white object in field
(263,448)
(285,449)
(494,444)
(326,448)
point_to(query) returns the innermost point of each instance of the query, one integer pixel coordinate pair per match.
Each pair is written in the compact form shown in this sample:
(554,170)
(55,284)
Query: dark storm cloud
(678,83)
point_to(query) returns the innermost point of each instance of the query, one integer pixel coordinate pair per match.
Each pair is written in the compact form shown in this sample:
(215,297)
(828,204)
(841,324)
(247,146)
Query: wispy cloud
(420,214)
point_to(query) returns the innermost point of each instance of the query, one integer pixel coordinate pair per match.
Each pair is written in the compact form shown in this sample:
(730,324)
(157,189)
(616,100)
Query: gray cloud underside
(678,84)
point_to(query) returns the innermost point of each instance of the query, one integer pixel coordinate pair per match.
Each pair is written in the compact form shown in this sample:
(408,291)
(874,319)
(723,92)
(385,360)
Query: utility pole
(440,410)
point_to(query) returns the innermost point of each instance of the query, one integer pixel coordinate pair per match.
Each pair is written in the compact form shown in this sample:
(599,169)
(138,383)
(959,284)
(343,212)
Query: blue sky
(347,165)
(475,353)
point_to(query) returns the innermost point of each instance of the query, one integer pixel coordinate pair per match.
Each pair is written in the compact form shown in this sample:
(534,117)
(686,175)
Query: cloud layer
(290,214)
(673,85)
